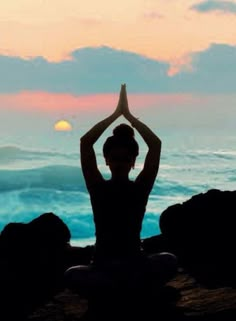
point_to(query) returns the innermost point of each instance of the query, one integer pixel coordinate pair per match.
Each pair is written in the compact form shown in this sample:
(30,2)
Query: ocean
(43,174)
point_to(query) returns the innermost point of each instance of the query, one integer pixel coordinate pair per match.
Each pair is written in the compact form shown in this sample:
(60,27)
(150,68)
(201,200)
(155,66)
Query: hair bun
(122,138)
(123,131)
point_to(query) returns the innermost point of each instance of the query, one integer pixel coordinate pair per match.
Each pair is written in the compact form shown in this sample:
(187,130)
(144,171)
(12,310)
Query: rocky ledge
(195,302)
(200,231)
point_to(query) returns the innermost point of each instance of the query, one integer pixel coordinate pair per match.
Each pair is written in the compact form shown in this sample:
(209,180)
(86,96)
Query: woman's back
(118,209)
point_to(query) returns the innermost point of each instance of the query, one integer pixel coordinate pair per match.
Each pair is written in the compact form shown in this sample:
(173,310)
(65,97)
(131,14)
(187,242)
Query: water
(38,178)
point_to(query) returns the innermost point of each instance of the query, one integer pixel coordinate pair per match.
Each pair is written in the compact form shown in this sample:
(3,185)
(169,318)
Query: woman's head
(121,146)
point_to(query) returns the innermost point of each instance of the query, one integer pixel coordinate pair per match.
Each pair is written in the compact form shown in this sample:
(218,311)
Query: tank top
(118,209)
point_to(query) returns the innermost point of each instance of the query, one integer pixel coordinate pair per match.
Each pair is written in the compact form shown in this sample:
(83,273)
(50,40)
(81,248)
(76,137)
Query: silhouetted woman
(119,206)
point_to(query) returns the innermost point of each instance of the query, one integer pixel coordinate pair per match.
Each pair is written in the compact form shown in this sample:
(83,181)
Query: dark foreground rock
(34,256)
(32,261)
(201,232)
(194,303)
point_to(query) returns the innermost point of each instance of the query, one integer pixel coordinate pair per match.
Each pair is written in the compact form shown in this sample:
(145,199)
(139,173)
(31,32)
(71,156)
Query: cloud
(90,70)
(213,71)
(97,70)
(51,102)
(217,5)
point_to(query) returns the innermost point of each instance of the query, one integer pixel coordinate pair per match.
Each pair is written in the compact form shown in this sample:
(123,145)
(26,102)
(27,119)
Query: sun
(63,126)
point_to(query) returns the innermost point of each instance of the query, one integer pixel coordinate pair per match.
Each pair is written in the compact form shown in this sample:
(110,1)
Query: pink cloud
(47,102)
(51,102)
(184,63)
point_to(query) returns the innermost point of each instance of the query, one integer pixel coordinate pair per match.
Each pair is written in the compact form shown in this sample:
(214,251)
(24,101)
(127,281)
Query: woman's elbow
(84,140)
(157,143)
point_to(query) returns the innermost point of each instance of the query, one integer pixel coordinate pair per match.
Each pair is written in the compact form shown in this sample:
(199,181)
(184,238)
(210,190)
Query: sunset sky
(70,56)
(159,29)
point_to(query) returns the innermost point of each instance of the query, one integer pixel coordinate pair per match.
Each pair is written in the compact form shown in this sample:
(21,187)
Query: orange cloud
(180,64)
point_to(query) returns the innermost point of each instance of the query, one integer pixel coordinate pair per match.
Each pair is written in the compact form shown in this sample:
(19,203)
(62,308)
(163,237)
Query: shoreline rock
(32,265)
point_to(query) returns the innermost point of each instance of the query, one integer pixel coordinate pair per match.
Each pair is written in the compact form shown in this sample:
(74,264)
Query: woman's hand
(118,111)
(123,107)
(124,102)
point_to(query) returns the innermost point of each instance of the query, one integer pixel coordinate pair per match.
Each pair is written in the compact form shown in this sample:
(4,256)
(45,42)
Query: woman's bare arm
(151,164)
(87,154)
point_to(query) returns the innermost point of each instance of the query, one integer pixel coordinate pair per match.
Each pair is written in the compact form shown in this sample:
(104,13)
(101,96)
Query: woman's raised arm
(87,154)
(151,164)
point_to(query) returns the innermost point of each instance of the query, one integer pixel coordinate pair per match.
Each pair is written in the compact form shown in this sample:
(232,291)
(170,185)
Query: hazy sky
(70,56)
(159,29)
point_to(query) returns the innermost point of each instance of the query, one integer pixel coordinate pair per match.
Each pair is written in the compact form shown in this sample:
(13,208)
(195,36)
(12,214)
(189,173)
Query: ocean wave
(57,177)
(12,154)
(197,155)
(49,186)
(214,154)
(172,187)
(72,207)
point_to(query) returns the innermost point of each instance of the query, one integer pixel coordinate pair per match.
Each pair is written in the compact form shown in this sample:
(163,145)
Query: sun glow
(62,125)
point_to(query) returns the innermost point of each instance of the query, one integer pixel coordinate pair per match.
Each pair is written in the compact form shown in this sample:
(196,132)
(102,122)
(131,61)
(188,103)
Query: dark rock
(195,303)
(32,263)
(34,256)
(201,232)
(49,229)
